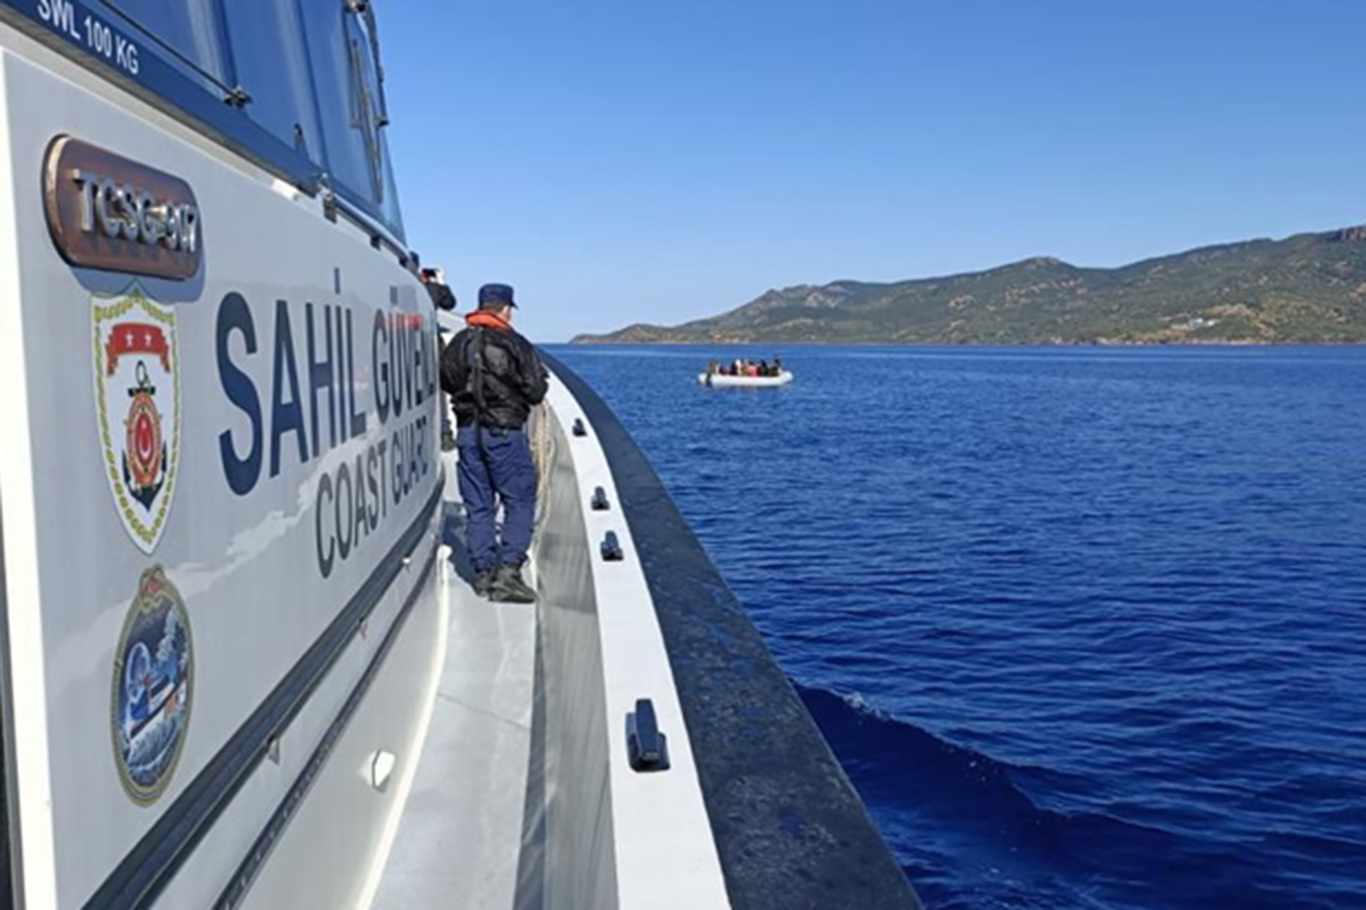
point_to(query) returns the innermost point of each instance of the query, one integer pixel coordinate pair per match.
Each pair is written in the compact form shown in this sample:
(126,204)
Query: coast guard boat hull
(240,660)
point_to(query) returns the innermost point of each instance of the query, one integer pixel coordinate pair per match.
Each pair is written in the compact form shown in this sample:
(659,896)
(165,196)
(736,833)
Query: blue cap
(495,296)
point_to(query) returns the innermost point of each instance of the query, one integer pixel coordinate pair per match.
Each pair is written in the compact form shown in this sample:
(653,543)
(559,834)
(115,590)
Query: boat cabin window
(393,216)
(372,76)
(192,28)
(271,59)
(342,52)
(309,68)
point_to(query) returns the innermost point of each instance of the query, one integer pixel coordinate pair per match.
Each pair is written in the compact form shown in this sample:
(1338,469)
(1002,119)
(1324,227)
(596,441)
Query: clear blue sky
(660,161)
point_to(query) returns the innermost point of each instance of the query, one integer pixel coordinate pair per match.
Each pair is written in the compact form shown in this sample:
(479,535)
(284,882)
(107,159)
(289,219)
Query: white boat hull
(276,688)
(717,380)
(259,544)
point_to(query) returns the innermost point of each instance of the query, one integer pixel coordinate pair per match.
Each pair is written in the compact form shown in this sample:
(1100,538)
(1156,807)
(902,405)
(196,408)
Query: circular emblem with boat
(137,400)
(152,688)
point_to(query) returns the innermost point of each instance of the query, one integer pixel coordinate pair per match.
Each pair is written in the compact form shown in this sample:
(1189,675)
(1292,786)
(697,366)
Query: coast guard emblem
(152,688)
(137,398)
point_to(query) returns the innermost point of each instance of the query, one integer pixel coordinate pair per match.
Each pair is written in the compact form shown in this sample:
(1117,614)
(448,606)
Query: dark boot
(508,587)
(483,583)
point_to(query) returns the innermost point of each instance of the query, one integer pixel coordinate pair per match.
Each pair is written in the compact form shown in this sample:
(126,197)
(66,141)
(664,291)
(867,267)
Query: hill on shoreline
(1309,288)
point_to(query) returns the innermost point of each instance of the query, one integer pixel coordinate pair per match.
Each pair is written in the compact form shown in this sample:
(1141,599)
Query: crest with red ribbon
(137,400)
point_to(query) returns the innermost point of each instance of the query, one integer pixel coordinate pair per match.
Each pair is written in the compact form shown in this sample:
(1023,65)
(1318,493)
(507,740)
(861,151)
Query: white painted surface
(246,565)
(334,847)
(459,838)
(35,861)
(571,864)
(665,855)
(293,861)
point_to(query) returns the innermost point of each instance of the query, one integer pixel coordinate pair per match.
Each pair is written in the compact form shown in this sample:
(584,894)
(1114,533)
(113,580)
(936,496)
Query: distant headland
(1305,289)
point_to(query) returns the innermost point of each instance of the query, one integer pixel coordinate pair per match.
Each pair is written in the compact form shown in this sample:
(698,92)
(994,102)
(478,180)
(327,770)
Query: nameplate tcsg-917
(112,213)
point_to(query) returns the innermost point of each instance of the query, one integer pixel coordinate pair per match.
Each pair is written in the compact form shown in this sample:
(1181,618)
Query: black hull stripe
(149,866)
(768,778)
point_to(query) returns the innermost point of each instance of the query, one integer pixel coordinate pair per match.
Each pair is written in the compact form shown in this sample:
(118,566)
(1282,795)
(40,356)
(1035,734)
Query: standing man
(494,378)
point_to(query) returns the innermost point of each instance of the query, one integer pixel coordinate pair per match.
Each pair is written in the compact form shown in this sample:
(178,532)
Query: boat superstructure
(241,663)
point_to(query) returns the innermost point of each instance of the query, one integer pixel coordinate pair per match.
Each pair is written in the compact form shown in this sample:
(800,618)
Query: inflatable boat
(722,381)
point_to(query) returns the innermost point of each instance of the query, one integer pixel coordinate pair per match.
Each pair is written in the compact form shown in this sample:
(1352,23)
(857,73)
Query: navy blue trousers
(500,472)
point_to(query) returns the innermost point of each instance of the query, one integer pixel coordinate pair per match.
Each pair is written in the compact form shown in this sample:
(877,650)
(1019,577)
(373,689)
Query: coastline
(599,341)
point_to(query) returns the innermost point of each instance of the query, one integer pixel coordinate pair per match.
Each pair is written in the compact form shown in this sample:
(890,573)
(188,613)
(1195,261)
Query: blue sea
(1086,627)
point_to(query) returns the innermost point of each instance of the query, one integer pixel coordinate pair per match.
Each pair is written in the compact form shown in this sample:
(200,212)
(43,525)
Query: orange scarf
(487,319)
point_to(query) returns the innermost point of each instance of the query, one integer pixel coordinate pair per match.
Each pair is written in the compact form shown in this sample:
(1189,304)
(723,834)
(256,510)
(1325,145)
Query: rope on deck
(542,456)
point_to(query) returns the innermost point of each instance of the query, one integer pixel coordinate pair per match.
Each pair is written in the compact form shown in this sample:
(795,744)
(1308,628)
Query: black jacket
(441,295)
(513,380)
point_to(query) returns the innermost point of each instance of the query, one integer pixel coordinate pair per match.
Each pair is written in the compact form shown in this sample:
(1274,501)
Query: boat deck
(523,790)
(459,839)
